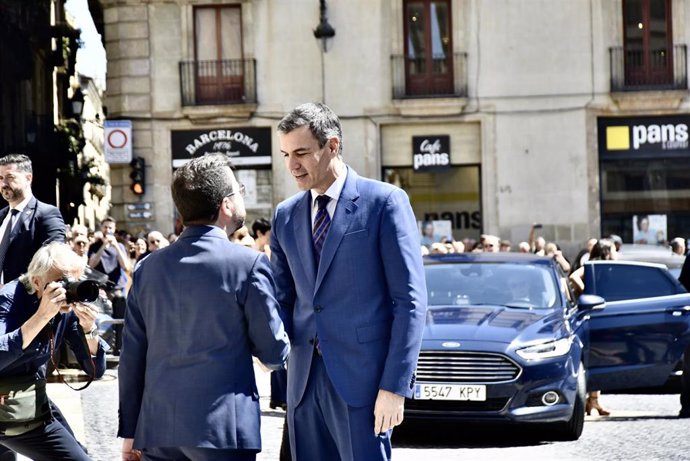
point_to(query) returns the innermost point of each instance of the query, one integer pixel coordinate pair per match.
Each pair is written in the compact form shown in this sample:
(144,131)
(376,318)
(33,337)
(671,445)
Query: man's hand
(388,411)
(86,315)
(52,301)
(128,454)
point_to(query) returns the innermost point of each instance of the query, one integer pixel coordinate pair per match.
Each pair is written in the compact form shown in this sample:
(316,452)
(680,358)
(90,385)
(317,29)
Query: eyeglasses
(154,241)
(241,190)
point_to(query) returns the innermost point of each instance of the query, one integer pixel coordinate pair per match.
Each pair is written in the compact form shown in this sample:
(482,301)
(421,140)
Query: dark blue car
(505,339)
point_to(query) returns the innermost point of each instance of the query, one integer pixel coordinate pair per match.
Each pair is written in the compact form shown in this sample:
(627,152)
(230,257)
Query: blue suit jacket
(366,300)
(38,224)
(196,313)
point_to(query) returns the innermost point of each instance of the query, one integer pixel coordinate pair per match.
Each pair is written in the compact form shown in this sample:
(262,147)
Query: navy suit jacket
(196,313)
(38,224)
(366,300)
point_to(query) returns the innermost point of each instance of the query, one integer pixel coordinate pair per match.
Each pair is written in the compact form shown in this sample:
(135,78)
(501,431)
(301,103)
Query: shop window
(428,56)
(648,43)
(633,188)
(452,195)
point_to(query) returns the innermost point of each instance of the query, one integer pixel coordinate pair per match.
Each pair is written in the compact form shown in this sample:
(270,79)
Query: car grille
(449,406)
(465,367)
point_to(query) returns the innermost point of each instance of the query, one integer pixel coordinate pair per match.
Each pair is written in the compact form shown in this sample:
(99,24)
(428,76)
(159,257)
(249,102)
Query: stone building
(491,114)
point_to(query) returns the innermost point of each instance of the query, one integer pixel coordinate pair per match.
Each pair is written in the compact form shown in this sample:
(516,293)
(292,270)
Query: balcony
(648,70)
(429,77)
(231,81)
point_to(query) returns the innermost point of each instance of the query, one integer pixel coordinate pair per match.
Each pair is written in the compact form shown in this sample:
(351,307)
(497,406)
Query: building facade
(491,114)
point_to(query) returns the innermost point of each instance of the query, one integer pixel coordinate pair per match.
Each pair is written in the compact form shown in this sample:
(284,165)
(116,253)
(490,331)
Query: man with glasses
(197,311)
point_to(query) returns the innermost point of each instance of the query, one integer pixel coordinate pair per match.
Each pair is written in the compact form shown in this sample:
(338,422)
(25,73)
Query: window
(452,195)
(648,47)
(632,187)
(617,282)
(428,47)
(219,67)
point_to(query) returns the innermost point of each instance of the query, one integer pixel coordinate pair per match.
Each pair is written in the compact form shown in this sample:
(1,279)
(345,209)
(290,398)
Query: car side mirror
(591,303)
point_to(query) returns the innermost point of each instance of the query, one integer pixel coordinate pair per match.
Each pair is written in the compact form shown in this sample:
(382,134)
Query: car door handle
(679,310)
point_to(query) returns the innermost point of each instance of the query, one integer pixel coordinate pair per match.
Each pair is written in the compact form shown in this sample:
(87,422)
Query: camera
(80,291)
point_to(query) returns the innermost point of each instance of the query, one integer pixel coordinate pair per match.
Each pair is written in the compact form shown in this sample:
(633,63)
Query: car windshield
(513,285)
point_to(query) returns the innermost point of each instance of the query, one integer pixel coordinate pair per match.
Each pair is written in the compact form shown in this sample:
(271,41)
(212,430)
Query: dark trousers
(49,442)
(685,383)
(196,454)
(324,427)
(278,388)
(119,307)
(8,455)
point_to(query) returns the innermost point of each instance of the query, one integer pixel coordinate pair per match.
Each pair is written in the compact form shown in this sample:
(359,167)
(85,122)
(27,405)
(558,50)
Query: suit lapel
(25,218)
(301,218)
(339,224)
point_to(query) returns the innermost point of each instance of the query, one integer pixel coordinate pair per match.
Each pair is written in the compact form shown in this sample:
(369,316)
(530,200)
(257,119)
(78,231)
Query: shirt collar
(20,207)
(334,191)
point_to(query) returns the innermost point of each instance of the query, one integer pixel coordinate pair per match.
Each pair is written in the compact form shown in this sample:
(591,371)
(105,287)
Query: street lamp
(77,103)
(324,30)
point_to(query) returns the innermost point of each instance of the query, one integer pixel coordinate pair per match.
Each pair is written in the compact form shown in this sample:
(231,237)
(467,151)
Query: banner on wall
(246,146)
(652,135)
(430,153)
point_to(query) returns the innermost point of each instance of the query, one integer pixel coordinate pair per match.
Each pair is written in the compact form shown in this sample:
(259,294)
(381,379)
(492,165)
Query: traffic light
(138,175)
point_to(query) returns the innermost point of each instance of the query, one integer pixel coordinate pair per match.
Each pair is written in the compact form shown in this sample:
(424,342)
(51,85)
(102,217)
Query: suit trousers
(196,454)
(324,427)
(47,443)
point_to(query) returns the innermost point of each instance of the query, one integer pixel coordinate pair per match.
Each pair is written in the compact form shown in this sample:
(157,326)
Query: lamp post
(77,102)
(324,30)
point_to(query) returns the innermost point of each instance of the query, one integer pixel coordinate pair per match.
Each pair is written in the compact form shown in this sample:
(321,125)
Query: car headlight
(546,350)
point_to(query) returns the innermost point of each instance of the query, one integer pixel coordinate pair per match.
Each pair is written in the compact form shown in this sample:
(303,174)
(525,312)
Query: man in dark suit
(196,313)
(347,262)
(27,223)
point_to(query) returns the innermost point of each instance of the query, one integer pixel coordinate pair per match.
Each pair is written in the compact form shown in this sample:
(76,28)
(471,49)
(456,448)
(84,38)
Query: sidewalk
(70,403)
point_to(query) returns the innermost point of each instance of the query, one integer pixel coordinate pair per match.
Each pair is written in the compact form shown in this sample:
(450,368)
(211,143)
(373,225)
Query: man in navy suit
(347,262)
(196,313)
(31,223)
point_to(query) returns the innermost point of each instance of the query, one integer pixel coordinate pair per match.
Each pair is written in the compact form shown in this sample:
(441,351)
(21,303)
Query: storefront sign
(644,135)
(246,146)
(118,141)
(430,152)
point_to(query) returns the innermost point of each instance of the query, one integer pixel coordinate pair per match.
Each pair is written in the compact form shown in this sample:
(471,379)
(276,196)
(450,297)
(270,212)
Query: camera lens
(83,291)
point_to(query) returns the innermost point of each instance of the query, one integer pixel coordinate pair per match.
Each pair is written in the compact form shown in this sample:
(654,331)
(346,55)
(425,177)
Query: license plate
(476,392)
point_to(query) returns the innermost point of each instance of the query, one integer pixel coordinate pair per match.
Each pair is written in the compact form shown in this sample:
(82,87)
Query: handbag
(23,399)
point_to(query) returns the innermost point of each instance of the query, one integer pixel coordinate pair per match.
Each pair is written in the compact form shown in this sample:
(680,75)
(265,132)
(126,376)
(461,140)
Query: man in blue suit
(196,313)
(347,262)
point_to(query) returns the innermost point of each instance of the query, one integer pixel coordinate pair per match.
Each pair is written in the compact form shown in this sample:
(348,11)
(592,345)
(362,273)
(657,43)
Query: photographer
(38,311)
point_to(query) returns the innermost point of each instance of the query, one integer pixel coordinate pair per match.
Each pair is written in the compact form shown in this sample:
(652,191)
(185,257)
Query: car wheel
(572,429)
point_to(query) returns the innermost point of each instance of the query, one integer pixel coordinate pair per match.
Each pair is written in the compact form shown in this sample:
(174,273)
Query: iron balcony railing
(465,367)
(229,81)
(639,70)
(424,77)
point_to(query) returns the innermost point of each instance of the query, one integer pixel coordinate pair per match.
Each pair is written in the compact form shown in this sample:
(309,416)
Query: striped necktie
(322,223)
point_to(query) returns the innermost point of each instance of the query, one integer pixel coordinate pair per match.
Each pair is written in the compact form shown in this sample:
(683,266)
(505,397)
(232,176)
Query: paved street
(643,427)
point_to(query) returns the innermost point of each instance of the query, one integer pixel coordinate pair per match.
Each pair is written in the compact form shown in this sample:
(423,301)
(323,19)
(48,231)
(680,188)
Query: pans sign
(430,152)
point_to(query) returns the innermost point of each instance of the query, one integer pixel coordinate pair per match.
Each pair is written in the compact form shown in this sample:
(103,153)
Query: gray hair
(322,122)
(199,187)
(53,256)
(22,161)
